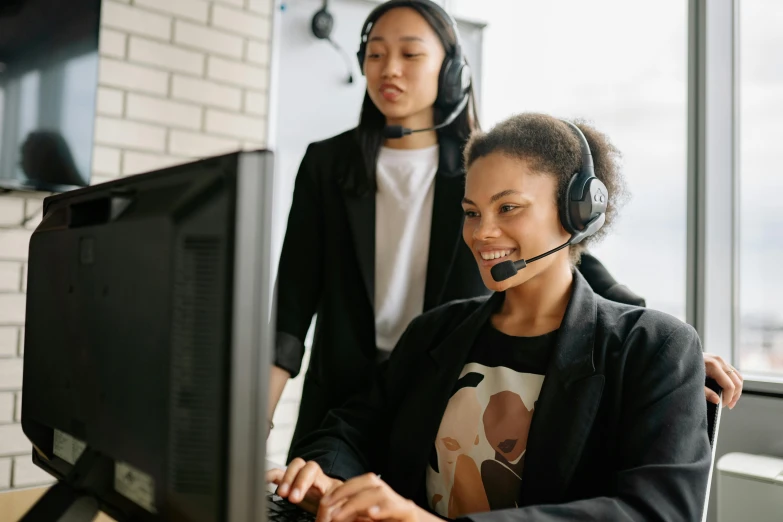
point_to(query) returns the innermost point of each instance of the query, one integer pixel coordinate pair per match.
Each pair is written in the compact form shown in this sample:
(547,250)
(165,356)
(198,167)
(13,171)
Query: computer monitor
(147,345)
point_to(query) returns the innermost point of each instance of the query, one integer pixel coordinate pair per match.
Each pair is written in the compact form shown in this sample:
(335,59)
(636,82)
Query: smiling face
(511,214)
(402,64)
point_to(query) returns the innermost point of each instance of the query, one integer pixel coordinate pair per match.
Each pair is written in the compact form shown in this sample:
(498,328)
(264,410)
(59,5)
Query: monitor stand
(73,499)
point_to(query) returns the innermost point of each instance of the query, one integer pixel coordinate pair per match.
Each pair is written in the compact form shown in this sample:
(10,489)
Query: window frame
(712,293)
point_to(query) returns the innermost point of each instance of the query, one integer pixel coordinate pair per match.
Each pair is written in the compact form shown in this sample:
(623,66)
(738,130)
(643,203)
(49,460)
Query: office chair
(713,424)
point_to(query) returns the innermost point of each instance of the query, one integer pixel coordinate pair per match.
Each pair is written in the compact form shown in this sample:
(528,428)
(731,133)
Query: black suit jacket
(619,431)
(327,266)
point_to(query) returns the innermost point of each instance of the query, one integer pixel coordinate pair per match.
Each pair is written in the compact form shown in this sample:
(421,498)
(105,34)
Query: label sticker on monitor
(135,485)
(67,448)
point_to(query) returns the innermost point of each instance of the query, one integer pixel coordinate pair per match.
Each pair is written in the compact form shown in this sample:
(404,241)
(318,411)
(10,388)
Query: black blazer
(327,266)
(619,430)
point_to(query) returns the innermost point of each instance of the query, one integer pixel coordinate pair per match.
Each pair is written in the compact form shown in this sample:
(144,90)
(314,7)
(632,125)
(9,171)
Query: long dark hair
(372,121)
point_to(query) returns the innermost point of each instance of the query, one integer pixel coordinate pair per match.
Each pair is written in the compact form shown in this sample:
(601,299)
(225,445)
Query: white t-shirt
(403,203)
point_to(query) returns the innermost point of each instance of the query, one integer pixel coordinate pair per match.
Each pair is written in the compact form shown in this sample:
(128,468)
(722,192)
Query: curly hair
(552,148)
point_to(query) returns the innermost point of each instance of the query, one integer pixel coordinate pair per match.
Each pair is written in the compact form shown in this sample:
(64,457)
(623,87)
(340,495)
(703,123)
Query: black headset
(583,210)
(454,80)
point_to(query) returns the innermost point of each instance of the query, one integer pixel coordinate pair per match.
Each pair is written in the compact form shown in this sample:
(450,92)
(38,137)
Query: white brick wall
(106,160)
(192,144)
(135,21)
(10,276)
(235,125)
(12,308)
(13,242)
(256,102)
(10,377)
(9,341)
(207,39)
(132,77)
(5,473)
(261,6)
(14,440)
(11,211)
(111,102)
(27,474)
(165,56)
(137,162)
(178,79)
(236,3)
(32,212)
(237,73)
(129,134)
(242,22)
(258,52)
(7,404)
(113,43)
(205,92)
(189,9)
(156,110)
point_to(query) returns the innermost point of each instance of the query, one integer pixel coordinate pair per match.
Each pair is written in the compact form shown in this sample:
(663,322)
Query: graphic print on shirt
(480,447)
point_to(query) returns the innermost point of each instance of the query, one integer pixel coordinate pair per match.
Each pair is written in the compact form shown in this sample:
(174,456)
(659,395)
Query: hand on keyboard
(281,510)
(302,483)
(367,498)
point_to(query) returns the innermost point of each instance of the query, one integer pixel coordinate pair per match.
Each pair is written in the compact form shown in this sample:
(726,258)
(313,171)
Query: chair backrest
(713,424)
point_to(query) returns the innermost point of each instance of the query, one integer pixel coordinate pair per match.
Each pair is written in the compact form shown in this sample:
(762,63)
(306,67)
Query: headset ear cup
(566,208)
(444,87)
(594,202)
(360,58)
(466,78)
(453,82)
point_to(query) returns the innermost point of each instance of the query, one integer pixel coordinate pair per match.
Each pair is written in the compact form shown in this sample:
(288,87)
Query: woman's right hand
(302,483)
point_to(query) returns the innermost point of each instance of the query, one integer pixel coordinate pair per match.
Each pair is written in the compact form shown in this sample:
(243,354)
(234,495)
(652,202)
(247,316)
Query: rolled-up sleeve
(300,277)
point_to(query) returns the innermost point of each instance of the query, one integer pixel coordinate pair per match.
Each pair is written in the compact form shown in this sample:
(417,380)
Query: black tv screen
(48,87)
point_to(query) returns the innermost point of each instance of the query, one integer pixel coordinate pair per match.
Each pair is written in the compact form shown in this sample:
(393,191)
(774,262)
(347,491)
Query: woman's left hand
(727,378)
(368,497)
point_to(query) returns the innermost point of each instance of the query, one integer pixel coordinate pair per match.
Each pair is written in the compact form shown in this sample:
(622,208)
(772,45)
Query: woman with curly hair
(543,401)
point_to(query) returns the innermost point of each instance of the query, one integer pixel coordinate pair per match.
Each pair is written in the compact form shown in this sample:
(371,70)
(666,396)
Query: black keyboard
(281,510)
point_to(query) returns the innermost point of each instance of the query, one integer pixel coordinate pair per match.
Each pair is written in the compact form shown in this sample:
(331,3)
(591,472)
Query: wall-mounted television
(48,87)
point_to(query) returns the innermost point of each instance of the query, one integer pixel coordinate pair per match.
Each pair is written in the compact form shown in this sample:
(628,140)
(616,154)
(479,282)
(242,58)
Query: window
(622,66)
(77,110)
(760,70)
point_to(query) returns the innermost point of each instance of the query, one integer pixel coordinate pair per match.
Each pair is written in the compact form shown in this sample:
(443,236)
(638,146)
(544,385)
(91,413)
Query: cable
(322,25)
(345,57)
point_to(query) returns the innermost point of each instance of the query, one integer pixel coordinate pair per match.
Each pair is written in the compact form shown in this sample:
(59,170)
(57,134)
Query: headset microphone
(398,131)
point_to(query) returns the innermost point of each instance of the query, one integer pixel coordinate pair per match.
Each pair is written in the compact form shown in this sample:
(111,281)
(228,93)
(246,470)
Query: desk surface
(14,504)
